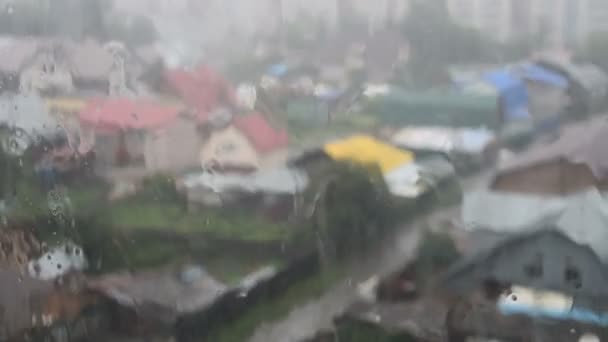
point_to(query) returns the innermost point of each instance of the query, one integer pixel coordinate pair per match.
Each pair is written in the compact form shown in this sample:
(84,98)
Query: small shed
(275,191)
(155,299)
(577,160)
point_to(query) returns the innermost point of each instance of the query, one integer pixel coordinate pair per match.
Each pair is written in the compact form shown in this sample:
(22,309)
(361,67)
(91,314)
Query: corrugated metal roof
(579,144)
(274,181)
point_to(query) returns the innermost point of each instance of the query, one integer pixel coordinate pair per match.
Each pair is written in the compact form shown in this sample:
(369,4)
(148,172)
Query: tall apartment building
(492,17)
(561,22)
(592,17)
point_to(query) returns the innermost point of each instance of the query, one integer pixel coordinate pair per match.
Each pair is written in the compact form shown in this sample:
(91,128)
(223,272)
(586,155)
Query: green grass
(136,215)
(278,307)
(229,267)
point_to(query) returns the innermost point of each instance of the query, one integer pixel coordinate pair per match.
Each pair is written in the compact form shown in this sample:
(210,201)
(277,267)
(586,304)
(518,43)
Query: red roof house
(260,133)
(250,143)
(202,88)
(144,132)
(124,114)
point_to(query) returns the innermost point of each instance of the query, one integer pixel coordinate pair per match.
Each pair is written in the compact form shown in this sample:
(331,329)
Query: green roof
(436,108)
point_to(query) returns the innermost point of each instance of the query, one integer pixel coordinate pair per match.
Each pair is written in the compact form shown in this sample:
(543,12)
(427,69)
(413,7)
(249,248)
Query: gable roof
(260,133)
(492,244)
(127,114)
(167,292)
(578,144)
(202,88)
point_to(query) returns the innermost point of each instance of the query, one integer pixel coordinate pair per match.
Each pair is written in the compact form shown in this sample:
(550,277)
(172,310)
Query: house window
(572,277)
(534,269)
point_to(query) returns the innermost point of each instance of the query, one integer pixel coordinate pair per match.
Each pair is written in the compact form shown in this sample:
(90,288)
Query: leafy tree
(436,42)
(351,207)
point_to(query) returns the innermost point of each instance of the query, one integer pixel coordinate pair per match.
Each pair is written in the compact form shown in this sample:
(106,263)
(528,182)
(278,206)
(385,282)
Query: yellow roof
(367,150)
(66,104)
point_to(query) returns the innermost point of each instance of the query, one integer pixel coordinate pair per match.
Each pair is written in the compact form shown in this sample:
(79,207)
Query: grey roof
(588,76)
(165,294)
(490,243)
(274,181)
(583,217)
(584,143)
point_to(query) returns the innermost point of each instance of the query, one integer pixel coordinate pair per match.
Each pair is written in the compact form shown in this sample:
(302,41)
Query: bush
(160,188)
(353,207)
(435,252)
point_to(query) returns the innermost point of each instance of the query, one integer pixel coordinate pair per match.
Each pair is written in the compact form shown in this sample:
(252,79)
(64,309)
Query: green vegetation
(133,215)
(435,253)
(275,308)
(357,331)
(437,41)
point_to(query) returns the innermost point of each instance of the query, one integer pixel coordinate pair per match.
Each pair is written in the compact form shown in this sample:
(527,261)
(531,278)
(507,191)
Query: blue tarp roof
(535,72)
(512,92)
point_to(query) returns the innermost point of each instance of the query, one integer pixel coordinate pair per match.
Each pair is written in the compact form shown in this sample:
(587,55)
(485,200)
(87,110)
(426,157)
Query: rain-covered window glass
(303,170)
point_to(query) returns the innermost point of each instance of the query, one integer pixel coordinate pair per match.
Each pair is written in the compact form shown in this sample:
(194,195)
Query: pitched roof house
(60,65)
(548,279)
(201,88)
(158,137)
(249,143)
(576,161)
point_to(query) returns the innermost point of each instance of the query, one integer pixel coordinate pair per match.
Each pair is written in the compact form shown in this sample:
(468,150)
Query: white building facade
(560,22)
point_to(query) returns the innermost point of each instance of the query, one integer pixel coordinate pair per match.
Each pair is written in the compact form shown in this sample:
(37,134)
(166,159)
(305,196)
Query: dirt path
(305,321)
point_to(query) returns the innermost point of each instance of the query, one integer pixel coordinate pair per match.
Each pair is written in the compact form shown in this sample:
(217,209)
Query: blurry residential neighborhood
(286,170)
